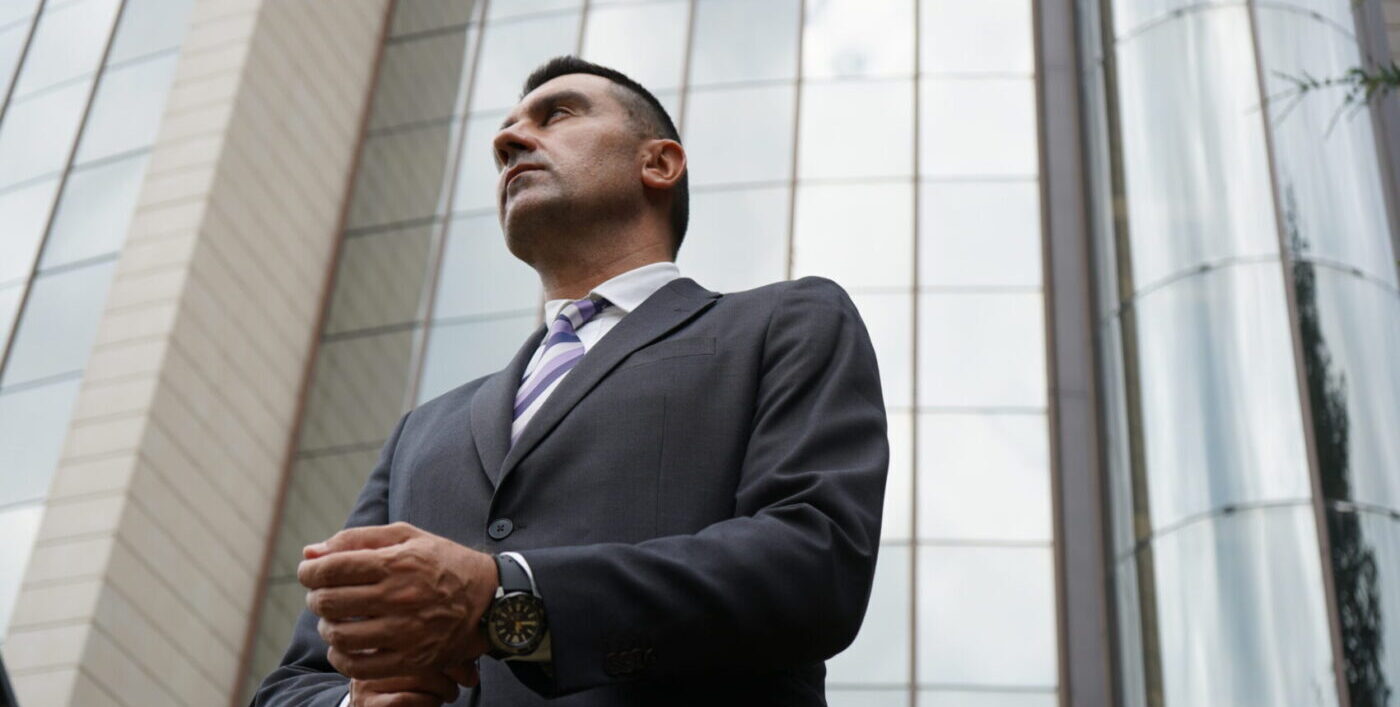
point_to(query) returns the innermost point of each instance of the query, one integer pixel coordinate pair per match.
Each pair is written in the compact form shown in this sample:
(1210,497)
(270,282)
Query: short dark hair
(647,113)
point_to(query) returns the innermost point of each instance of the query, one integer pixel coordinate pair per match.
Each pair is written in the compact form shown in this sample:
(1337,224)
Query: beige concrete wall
(147,565)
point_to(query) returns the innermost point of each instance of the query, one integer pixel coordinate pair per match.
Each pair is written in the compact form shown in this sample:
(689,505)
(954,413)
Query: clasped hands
(401,611)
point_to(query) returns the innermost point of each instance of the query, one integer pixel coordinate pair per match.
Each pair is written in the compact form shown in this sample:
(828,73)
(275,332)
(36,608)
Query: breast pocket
(669,349)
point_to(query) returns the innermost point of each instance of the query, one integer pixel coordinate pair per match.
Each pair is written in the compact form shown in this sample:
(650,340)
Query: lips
(517,171)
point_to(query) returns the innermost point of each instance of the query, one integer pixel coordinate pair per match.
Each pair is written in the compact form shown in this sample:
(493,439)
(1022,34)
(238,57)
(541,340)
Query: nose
(510,143)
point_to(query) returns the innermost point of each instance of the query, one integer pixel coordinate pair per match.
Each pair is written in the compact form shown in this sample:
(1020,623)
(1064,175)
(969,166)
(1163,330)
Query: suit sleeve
(305,678)
(783,583)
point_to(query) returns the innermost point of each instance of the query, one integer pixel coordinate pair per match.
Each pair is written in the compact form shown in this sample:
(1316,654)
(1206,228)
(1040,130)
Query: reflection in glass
(836,127)
(977,128)
(419,79)
(982,350)
(737,239)
(742,40)
(400,176)
(986,616)
(646,42)
(1220,410)
(854,233)
(460,353)
(358,390)
(979,234)
(888,318)
(1241,613)
(59,323)
(37,134)
(19,527)
(1328,172)
(479,275)
(127,109)
(380,279)
(1131,15)
(984,477)
(33,425)
(1114,400)
(67,43)
(1366,574)
(1193,145)
(741,135)
(986,36)
(94,212)
(511,50)
(149,26)
(477,173)
(1350,331)
(858,38)
(25,213)
(880,653)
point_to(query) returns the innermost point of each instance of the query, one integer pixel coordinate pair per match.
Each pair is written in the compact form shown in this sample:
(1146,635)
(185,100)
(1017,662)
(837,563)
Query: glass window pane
(987,36)
(419,80)
(9,308)
(358,391)
(858,38)
(880,653)
(127,109)
(1329,176)
(743,40)
(1241,613)
(149,26)
(380,278)
(1130,15)
(401,175)
(739,135)
(979,234)
(479,274)
(59,323)
(19,527)
(891,697)
(428,15)
(476,173)
(25,213)
(897,525)
(15,10)
(1351,341)
(33,425)
(982,350)
(737,239)
(836,130)
(511,50)
(889,319)
(978,128)
(984,477)
(11,43)
(37,134)
(68,43)
(986,698)
(1221,422)
(1366,568)
(1195,168)
(860,235)
(645,42)
(987,616)
(460,353)
(515,8)
(95,211)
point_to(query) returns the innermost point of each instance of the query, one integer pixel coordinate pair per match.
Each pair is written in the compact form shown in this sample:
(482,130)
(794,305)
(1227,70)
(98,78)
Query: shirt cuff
(345,701)
(542,654)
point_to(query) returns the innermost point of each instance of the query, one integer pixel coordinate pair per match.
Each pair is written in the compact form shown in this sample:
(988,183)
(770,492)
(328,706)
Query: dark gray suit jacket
(699,500)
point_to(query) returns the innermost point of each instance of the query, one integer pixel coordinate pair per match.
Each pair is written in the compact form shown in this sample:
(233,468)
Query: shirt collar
(627,291)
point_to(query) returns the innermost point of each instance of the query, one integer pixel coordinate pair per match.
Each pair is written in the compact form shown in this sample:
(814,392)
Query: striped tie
(562,351)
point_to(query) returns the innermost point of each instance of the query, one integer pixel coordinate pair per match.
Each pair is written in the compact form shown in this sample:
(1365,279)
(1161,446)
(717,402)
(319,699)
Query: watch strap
(514,578)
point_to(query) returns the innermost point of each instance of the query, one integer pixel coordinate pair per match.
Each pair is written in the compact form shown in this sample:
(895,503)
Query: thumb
(364,538)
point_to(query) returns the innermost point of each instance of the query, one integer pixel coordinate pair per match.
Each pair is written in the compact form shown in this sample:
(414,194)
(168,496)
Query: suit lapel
(493,409)
(671,306)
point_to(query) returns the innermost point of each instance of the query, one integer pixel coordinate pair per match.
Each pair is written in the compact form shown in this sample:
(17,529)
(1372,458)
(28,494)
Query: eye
(554,112)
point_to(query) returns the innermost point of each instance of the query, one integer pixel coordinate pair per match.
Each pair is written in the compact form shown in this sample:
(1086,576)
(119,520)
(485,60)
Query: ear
(663,163)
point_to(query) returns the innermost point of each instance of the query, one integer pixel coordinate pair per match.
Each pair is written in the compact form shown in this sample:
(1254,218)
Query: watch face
(517,622)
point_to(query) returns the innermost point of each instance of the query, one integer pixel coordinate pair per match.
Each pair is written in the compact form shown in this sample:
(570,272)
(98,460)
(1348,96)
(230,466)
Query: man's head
(587,145)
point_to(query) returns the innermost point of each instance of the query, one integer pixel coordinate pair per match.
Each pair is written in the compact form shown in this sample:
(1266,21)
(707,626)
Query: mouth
(516,171)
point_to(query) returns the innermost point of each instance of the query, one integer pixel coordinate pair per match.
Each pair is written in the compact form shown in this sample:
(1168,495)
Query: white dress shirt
(625,292)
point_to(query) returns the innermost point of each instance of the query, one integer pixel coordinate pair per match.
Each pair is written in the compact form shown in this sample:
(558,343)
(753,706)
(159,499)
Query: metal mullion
(97,77)
(23,55)
(915,296)
(797,87)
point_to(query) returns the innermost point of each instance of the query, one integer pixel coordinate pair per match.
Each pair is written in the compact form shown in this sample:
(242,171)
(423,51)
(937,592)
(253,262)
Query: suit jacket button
(500,529)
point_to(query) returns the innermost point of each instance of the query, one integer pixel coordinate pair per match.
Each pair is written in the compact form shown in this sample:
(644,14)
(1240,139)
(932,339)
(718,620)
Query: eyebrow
(549,101)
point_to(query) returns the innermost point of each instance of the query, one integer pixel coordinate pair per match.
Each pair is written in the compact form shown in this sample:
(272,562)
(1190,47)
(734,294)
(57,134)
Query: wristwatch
(515,621)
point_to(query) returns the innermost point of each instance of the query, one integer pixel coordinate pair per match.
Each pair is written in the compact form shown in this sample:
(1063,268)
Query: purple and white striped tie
(562,351)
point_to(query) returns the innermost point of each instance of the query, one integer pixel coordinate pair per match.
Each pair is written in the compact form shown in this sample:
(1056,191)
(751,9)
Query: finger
(383,633)
(401,699)
(369,666)
(367,537)
(342,569)
(431,683)
(340,603)
(467,674)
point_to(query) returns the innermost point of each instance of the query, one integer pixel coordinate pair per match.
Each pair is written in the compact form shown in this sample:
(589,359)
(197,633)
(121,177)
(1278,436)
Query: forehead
(597,88)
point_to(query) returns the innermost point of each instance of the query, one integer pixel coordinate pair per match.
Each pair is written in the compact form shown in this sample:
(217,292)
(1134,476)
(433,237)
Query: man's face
(567,152)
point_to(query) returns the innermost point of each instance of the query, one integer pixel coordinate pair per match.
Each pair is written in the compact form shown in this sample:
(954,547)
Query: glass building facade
(1242,303)
(82,90)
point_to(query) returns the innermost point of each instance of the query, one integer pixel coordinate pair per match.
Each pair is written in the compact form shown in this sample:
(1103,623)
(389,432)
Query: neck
(575,278)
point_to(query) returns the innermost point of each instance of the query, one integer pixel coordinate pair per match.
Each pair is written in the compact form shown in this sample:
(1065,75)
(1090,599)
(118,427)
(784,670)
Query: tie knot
(577,313)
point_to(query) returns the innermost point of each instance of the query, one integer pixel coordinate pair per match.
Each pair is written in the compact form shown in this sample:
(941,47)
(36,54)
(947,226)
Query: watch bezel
(502,647)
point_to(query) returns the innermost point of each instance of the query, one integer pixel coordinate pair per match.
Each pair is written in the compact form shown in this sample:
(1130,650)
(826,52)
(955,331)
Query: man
(667,497)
